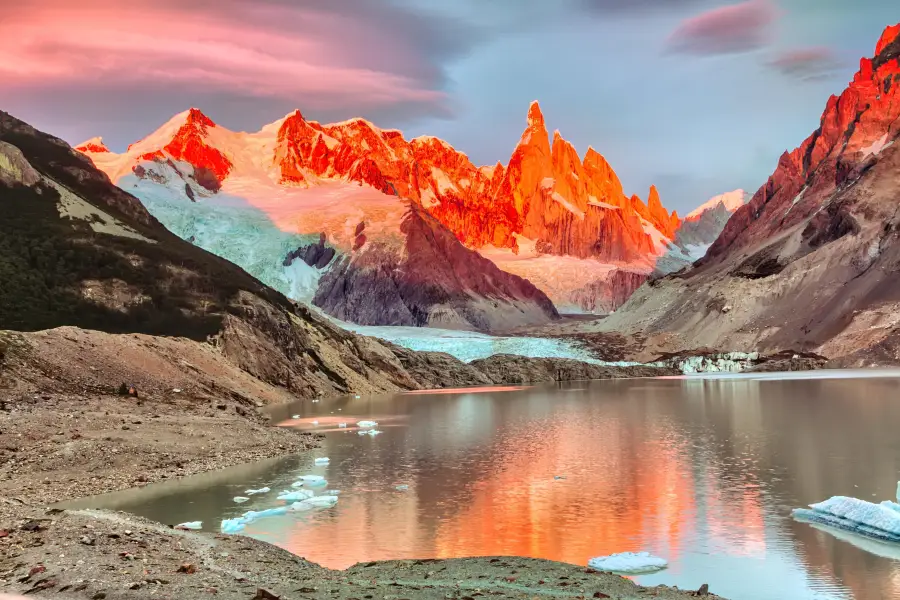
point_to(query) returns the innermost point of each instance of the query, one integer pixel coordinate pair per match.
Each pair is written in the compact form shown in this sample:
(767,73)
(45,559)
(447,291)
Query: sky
(697,97)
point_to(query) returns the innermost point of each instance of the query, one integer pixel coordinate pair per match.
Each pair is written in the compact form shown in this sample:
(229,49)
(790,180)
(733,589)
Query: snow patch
(876,147)
(592,200)
(568,205)
(731,200)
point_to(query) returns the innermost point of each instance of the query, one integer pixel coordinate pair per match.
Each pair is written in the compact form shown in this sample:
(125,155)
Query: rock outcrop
(809,263)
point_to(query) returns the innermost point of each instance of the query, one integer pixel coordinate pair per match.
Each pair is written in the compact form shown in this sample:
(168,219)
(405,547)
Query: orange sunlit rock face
(546,194)
(854,128)
(189,145)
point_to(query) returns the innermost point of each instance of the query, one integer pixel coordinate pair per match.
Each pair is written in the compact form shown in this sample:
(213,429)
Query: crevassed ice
(879,521)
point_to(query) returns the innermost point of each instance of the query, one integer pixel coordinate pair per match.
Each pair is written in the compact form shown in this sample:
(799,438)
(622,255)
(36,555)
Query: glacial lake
(701,471)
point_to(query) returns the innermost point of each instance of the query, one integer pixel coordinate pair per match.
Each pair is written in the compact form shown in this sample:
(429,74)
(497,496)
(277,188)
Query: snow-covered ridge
(730,200)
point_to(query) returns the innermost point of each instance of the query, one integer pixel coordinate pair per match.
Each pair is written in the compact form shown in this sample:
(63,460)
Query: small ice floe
(262,490)
(295,416)
(628,563)
(295,495)
(342,424)
(237,524)
(322,460)
(559,477)
(311,481)
(315,422)
(297,484)
(372,432)
(366,424)
(314,401)
(177,390)
(240,499)
(190,525)
(313,503)
(331,493)
(402,487)
(357,397)
(879,521)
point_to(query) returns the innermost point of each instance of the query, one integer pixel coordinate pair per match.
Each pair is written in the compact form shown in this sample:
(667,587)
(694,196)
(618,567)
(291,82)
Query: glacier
(878,521)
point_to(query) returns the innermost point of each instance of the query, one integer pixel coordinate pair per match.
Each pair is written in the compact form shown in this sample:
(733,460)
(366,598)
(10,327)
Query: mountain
(96,291)
(249,198)
(310,179)
(703,225)
(810,261)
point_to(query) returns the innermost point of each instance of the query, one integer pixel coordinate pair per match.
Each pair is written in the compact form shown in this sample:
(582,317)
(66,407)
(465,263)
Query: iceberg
(262,490)
(342,424)
(314,502)
(240,499)
(879,521)
(372,432)
(295,417)
(366,423)
(237,524)
(295,495)
(311,478)
(311,481)
(322,461)
(628,563)
(190,525)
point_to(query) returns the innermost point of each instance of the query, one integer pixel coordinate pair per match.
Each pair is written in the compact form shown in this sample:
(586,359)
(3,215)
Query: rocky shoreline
(64,444)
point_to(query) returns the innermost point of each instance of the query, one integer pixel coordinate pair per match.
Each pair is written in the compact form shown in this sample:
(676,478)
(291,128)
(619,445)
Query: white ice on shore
(322,460)
(190,525)
(262,490)
(240,499)
(367,424)
(628,562)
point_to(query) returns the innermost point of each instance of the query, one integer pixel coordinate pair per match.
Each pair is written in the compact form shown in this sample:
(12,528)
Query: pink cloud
(270,48)
(807,64)
(727,29)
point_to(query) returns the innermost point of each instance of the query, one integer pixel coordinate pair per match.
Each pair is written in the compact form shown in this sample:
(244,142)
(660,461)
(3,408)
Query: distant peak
(195,115)
(890,35)
(556,135)
(535,116)
(95,144)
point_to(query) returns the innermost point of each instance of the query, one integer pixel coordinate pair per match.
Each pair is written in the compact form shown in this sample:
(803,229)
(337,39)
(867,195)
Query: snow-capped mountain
(561,222)
(703,225)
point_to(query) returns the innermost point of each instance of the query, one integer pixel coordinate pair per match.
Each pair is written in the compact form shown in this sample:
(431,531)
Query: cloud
(807,64)
(726,30)
(355,56)
(620,7)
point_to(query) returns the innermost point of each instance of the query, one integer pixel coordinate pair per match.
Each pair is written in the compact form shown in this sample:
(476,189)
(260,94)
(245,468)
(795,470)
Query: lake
(701,471)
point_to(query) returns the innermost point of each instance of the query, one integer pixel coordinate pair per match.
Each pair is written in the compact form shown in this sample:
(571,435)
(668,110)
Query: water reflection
(701,472)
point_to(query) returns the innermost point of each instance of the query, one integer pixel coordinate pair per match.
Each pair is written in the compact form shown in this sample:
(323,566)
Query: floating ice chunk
(402,487)
(312,481)
(342,424)
(628,562)
(295,417)
(371,432)
(190,525)
(294,496)
(331,493)
(314,502)
(366,423)
(357,397)
(240,499)
(559,477)
(315,422)
(259,491)
(314,401)
(176,390)
(297,484)
(237,524)
(879,521)
(322,460)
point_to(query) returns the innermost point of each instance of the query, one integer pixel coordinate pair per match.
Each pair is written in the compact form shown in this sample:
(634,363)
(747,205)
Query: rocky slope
(547,201)
(810,259)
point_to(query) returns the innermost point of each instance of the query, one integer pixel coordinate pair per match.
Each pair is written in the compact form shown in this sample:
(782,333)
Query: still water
(703,472)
